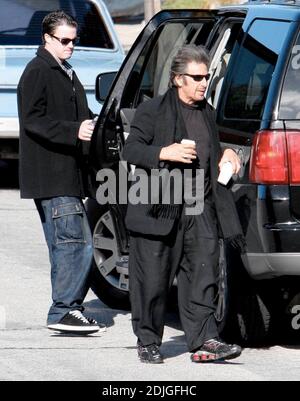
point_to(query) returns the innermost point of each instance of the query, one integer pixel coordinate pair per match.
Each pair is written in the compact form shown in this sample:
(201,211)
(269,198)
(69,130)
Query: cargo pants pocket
(68,223)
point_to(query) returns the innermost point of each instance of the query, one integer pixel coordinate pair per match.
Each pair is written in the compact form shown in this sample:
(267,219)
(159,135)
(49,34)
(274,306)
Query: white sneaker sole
(63,328)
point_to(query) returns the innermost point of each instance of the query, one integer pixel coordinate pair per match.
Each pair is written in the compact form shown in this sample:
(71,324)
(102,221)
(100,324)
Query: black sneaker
(216,350)
(102,327)
(149,354)
(75,322)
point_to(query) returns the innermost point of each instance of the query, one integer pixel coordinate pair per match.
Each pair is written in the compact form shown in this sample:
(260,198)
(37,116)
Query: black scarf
(170,124)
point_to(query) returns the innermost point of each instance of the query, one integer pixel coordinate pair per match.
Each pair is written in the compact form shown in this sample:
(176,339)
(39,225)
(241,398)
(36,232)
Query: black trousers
(191,252)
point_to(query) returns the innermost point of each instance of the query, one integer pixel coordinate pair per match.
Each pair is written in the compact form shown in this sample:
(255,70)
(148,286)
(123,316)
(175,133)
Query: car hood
(87,64)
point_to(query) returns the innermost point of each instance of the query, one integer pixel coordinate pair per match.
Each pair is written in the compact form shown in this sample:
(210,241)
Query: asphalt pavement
(29,351)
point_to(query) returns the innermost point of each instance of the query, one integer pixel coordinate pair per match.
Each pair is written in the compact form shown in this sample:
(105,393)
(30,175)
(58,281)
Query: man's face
(54,45)
(192,85)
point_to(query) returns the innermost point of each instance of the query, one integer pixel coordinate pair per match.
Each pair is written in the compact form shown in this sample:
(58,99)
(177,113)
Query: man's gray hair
(185,55)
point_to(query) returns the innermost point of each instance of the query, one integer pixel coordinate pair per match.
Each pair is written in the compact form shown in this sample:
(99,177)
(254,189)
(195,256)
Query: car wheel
(109,273)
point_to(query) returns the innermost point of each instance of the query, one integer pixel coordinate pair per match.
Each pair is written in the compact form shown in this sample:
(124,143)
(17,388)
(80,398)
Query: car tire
(246,317)
(254,319)
(107,287)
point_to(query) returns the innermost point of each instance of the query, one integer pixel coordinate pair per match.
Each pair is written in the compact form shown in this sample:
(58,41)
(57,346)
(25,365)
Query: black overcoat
(152,129)
(51,109)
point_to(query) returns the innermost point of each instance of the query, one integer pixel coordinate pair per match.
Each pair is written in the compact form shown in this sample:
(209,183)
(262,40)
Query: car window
(220,60)
(252,74)
(20,22)
(289,105)
(150,75)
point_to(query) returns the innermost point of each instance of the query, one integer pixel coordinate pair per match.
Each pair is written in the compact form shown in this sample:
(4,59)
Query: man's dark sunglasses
(66,41)
(198,78)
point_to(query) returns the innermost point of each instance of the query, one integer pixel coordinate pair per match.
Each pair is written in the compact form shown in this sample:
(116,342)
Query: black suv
(255,88)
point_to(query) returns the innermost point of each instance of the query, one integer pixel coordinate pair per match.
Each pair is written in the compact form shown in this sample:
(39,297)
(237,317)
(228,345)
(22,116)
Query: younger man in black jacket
(55,125)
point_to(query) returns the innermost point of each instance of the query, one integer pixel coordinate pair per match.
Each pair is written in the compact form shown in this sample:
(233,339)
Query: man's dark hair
(55,19)
(185,55)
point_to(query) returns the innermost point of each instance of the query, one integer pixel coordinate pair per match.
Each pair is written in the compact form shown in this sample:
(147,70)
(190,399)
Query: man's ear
(46,38)
(178,80)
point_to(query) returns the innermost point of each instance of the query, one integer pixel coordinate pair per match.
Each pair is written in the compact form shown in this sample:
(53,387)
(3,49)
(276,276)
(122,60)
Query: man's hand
(183,153)
(86,130)
(229,155)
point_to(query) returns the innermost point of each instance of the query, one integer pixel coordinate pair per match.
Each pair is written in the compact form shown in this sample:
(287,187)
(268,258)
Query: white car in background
(98,51)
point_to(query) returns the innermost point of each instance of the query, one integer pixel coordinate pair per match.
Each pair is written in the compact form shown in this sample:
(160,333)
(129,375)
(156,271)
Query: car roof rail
(287,2)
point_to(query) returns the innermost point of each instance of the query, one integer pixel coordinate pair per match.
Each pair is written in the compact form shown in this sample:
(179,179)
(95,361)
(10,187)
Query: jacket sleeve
(138,149)
(32,93)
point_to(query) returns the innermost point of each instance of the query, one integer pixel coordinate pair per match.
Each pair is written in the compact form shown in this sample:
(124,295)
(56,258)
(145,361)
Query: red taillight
(268,163)
(275,157)
(293,143)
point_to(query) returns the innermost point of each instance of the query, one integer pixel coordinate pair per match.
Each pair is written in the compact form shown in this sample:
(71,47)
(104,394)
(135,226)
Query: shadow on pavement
(102,313)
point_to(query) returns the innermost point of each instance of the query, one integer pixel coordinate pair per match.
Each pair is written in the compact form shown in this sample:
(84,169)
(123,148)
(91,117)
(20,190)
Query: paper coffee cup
(188,142)
(225,173)
(94,121)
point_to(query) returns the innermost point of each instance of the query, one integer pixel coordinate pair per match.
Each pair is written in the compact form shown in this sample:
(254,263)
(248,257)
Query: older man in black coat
(55,131)
(165,238)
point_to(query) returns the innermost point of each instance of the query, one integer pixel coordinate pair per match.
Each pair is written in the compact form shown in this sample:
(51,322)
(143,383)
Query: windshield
(21,21)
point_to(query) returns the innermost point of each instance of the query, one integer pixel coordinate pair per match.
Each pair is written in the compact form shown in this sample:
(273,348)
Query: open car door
(144,75)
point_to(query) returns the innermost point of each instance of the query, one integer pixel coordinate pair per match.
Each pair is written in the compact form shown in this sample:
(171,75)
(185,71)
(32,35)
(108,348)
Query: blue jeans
(69,241)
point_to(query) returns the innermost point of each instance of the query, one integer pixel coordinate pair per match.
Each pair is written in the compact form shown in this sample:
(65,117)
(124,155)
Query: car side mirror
(103,85)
